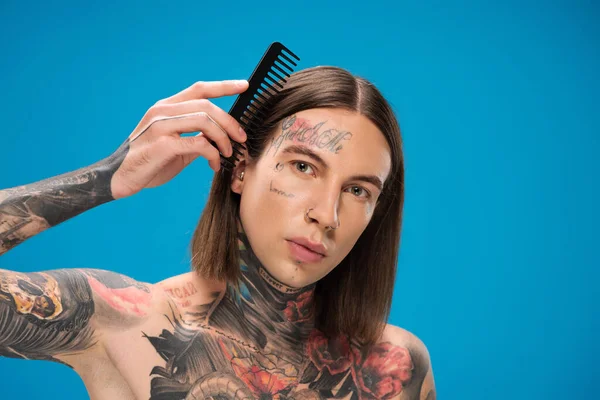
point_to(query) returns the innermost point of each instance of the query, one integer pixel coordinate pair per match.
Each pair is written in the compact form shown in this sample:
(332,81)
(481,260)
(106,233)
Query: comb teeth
(280,70)
(265,82)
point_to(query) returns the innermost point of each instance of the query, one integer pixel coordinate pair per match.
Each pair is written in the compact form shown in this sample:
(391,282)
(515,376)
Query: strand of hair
(254,116)
(260,100)
(274,80)
(253,126)
(256,110)
(251,118)
(266,99)
(247,114)
(268,86)
(253,122)
(255,104)
(244,122)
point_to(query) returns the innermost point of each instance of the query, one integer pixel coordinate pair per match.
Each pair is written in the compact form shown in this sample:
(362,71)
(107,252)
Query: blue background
(498,103)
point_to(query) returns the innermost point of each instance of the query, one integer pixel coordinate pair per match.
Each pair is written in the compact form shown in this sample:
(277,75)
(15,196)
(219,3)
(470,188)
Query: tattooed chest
(205,364)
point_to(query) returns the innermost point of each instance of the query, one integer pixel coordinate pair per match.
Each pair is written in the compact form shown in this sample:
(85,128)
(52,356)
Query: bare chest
(180,361)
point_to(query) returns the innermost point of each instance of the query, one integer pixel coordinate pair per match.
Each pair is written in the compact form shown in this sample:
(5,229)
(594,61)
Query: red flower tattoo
(301,309)
(334,354)
(384,372)
(265,375)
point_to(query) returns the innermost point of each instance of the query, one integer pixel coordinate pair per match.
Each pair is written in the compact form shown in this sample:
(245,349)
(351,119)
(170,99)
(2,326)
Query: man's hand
(155,152)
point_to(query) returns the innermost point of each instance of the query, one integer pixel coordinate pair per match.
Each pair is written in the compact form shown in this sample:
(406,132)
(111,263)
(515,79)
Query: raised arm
(152,155)
(54,315)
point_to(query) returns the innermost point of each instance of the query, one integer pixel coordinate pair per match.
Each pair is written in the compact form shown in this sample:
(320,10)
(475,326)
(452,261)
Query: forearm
(28,210)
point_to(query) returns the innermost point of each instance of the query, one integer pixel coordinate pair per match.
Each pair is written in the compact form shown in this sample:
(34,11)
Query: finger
(199,146)
(223,119)
(208,90)
(213,163)
(194,122)
(189,147)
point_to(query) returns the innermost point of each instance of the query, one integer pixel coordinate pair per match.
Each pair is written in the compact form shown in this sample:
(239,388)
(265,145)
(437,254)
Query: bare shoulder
(413,355)
(402,337)
(189,290)
(65,315)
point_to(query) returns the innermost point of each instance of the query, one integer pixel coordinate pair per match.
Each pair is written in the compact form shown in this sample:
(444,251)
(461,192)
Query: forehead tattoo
(301,131)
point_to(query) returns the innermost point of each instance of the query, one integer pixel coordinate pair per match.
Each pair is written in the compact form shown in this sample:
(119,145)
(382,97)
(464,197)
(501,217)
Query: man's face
(286,181)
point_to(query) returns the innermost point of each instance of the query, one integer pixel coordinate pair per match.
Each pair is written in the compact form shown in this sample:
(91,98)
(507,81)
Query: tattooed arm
(422,386)
(152,155)
(28,210)
(58,314)
(411,363)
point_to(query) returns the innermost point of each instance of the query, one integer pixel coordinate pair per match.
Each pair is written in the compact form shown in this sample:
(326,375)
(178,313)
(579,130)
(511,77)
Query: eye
(302,166)
(360,191)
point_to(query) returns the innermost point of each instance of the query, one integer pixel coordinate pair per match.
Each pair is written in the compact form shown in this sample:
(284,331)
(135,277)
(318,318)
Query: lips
(303,250)
(312,246)
(303,254)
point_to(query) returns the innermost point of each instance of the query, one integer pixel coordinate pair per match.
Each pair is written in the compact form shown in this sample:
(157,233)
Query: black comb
(266,80)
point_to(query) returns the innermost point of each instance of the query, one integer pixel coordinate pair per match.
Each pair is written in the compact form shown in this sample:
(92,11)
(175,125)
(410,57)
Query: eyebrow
(303,150)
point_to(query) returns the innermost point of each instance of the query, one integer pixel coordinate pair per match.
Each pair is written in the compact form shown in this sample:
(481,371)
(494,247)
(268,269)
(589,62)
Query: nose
(324,211)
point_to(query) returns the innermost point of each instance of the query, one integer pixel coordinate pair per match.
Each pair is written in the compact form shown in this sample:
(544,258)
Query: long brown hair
(355,297)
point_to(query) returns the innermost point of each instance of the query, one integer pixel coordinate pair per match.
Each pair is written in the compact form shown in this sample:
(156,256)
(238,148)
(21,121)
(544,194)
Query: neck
(263,291)
(265,310)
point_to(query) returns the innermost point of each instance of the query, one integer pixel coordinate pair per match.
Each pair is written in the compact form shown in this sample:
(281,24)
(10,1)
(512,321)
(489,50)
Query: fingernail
(243,133)
(241,83)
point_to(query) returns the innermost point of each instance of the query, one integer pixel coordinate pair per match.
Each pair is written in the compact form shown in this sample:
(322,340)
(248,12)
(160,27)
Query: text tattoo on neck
(275,283)
(299,131)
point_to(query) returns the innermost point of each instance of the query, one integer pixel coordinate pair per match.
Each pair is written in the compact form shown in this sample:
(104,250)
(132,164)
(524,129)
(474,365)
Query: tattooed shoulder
(188,291)
(411,358)
(45,315)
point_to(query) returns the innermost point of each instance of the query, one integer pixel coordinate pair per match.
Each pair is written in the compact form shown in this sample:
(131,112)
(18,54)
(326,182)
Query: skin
(270,217)
(191,336)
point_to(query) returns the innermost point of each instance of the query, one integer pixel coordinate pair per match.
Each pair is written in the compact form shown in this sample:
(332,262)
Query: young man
(294,257)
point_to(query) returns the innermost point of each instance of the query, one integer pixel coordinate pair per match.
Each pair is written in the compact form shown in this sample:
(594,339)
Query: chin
(291,274)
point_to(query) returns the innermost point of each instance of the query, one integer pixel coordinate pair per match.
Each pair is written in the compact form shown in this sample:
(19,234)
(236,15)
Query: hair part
(355,298)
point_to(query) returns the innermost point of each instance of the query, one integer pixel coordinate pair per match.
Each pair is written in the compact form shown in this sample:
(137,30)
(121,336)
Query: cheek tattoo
(280,192)
(279,167)
(300,131)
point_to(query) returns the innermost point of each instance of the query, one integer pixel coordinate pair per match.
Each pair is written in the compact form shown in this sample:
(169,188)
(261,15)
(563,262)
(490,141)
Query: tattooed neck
(263,312)
(266,294)
(275,283)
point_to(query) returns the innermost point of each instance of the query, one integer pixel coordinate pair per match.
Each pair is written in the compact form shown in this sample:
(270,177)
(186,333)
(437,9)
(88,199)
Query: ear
(237,184)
